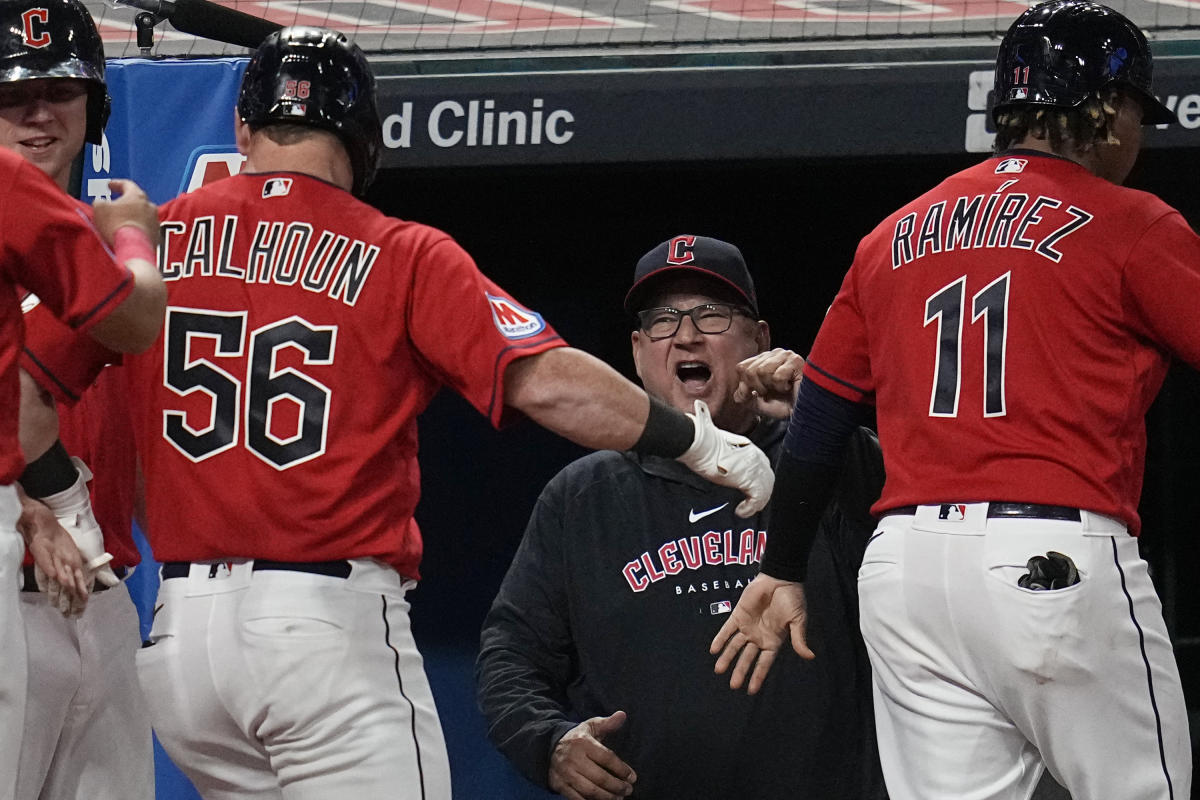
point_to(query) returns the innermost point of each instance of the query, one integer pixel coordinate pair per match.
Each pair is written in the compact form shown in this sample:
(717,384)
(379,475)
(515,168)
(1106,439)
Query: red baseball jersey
(51,248)
(305,332)
(1013,326)
(62,361)
(93,422)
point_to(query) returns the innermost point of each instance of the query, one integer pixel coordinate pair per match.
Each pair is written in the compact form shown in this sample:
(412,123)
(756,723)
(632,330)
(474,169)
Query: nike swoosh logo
(694,517)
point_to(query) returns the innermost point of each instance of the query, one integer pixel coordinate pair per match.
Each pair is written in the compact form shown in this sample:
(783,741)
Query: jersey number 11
(946,308)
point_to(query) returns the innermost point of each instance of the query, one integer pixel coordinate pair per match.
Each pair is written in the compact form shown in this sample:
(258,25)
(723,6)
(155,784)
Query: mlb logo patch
(1020,94)
(1011,165)
(277,187)
(297,109)
(953,512)
(513,321)
(721,607)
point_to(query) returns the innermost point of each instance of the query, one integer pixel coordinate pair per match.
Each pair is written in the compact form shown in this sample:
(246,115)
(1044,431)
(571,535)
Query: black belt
(30,584)
(1012,511)
(334,569)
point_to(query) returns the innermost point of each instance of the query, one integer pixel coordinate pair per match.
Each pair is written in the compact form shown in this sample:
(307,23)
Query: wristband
(130,242)
(49,473)
(668,433)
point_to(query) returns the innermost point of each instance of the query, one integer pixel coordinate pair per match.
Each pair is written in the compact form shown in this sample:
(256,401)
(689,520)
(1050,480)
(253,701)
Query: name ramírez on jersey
(1000,220)
(283,254)
(711,549)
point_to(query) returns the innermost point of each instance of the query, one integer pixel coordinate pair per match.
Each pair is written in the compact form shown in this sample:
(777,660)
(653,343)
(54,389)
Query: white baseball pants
(282,684)
(87,728)
(12,637)
(980,684)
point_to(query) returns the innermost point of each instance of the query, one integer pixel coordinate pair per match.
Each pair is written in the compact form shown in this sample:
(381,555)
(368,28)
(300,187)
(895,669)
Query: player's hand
(768,610)
(58,565)
(770,380)
(582,768)
(73,508)
(74,511)
(729,460)
(130,206)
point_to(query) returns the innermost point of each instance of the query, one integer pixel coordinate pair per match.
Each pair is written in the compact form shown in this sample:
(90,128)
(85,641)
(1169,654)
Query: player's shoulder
(1142,204)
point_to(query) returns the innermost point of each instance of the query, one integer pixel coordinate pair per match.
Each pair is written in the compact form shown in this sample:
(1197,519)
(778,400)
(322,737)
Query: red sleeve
(1162,284)
(52,249)
(62,361)
(840,358)
(469,329)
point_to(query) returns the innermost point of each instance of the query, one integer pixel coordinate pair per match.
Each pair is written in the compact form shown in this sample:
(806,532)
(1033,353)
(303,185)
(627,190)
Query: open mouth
(693,374)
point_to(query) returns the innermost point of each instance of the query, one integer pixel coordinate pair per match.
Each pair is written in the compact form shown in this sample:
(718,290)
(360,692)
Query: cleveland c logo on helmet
(34,31)
(56,39)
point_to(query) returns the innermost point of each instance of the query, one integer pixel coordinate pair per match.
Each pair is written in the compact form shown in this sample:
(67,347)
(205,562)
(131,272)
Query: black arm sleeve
(526,655)
(812,458)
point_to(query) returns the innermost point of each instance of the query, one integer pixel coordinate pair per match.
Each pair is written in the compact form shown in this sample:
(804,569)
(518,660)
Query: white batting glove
(73,507)
(729,460)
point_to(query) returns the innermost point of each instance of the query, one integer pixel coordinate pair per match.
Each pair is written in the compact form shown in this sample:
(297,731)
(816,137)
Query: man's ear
(763,336)
(241,133)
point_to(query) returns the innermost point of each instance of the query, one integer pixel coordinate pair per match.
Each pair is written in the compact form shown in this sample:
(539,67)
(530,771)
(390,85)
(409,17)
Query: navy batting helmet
(315,76)
(1060,53)
(55,39)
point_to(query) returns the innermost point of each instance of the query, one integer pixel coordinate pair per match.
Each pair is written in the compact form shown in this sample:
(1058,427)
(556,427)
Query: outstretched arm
(772,607)
(583,399)
(579,397)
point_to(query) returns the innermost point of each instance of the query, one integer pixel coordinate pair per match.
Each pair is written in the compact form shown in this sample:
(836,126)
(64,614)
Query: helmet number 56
(297,89)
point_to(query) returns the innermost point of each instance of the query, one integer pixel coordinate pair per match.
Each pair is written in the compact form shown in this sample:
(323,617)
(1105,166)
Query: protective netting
(390,26)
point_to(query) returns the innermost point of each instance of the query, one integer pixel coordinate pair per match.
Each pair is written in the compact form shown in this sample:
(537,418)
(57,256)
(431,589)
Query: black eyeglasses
(663,323)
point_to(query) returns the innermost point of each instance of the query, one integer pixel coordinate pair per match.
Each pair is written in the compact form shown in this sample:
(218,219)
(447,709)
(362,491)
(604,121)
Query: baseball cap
(697,255)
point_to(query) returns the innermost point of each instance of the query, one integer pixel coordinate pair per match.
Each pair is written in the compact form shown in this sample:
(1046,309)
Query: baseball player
(1011,326)
(87,731)
(277,431)
(53,250)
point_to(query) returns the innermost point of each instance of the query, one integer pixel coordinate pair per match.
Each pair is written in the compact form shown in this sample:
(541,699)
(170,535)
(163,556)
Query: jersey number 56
(263,385)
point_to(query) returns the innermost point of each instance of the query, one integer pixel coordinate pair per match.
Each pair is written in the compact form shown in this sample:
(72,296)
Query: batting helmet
(55,39)
(315,76)
(1059,53)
